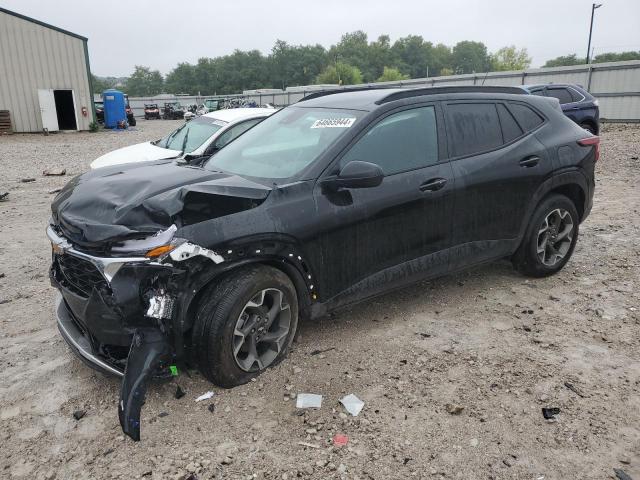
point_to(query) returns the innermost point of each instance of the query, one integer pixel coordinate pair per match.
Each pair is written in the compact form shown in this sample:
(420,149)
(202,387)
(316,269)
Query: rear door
(498,163)
(367,233)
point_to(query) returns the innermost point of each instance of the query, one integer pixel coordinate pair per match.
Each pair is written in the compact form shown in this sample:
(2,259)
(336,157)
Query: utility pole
(593,10)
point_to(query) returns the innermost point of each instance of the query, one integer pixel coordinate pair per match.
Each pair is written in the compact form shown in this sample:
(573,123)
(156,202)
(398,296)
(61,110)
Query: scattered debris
(424,335)
(340,440)
(550,413)
(454,409)
(353,404)
(297,370)
(3,196)
(108,451)
(27,180)
(163,414)
(308,400)
(318,352)
(621,474)
(307,444)
(179,392)
(2,275)
(625,460)
(55,190)
(205,396)
(211,407)
(193,476)
(4,300)
(78,414)
(574,389)
(54,172)
(147,473)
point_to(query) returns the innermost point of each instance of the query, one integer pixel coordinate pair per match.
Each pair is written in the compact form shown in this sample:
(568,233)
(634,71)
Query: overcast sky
(161,33)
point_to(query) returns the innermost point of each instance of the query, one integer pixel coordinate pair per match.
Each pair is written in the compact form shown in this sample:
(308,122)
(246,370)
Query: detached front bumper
(80,343)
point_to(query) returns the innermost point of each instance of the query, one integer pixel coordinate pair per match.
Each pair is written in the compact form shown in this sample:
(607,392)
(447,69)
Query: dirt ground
(489,341)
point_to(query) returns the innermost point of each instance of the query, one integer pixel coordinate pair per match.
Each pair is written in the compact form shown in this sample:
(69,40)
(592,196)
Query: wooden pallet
(5,121)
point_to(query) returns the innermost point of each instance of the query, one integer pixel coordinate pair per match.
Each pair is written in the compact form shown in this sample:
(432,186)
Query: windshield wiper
(184,142)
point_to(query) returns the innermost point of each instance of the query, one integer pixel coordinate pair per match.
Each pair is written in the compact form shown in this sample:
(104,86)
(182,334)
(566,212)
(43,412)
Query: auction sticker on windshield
(333,123)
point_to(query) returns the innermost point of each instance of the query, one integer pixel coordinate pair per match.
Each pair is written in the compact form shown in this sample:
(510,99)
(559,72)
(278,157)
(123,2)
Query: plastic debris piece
(621,474)
(174,370)
(163,414)
(550,413)
(179,392)
(211,407)
(3,196)
(340,440)
(574,389)
(454,409)
(205,396)
(308,400)
(78,414)
(325,350)
(27,180)
(353,404)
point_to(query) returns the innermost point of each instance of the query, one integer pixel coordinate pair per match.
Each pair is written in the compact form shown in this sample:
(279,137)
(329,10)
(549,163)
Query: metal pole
(593,10)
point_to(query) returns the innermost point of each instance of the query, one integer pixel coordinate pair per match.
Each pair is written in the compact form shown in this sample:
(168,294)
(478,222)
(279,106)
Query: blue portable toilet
(114,108)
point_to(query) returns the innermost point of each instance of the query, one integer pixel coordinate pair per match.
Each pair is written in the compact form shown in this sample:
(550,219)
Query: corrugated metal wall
(34,57)
(615,84)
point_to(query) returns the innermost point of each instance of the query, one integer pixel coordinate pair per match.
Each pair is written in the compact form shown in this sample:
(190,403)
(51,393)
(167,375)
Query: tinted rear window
(526,116)
(510,129)
(561,94)
(575,95)
(475,127)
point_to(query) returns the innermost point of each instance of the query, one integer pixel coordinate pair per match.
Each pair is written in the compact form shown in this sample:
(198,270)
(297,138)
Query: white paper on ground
(205,396)
(308,400)
(353,404)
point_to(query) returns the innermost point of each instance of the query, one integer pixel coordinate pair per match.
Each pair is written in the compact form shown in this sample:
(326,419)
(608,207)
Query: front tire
(550,238)
(244,325)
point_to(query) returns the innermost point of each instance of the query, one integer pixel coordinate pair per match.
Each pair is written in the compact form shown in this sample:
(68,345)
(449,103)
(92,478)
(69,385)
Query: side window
(539,92)
(474,127)
(402,141)
(510,128)
(561,94)
(526,117)
(575,95)
(236,131)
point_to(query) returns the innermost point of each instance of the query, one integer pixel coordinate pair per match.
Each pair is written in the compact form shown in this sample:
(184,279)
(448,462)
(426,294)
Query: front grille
(80,275)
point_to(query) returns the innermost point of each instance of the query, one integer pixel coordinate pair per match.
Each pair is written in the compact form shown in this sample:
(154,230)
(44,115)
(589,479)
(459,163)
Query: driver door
(376,238)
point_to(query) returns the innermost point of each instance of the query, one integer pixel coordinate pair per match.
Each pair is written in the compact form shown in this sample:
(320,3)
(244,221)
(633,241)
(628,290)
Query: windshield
(285,143)
(191,135)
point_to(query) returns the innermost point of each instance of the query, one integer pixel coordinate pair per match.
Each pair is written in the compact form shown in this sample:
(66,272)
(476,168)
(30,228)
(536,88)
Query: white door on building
(48,110)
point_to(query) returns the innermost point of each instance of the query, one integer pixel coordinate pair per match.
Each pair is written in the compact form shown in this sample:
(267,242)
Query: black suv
(576,103)
(331,201)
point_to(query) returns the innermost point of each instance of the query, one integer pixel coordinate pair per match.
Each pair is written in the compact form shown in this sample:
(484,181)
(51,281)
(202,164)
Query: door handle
(433,185)
(529,162)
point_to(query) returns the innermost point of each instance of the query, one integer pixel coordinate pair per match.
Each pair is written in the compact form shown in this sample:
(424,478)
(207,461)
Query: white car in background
(200,136)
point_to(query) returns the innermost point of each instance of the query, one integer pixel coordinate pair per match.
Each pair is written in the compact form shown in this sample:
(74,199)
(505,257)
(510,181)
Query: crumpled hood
(113,203)
(141,152)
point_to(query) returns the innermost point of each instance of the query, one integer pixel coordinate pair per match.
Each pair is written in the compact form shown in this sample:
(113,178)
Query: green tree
(144,82)
(470,57)
(564,61)
(616,57)
(100,84)
(415,56)
(352,49)
(181,79)
(510,58)
(445,72)
(392,75)
(295,65)
(340,74)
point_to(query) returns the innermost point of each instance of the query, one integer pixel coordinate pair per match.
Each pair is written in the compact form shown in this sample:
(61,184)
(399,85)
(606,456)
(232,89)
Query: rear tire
(244,325)
(588,126)
(549,239)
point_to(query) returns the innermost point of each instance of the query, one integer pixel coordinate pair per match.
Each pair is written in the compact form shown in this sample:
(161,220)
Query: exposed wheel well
(574,193)
(591,123)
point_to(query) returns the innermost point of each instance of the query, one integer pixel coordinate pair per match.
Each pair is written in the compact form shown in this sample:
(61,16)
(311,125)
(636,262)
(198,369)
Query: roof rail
(414,92)
(323,93)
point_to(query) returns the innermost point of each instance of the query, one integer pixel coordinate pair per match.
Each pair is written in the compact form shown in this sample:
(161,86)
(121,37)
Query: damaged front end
(120,313)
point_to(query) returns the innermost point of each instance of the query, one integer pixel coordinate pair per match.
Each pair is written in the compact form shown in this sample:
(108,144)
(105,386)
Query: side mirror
(355,174)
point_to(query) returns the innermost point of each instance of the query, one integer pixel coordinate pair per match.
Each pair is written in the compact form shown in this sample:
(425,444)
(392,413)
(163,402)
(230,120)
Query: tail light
(589,141)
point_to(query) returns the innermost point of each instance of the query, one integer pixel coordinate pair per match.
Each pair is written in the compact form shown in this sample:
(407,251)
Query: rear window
(526,116)
(562,94)
(510,128)
(575,95)
(475,127)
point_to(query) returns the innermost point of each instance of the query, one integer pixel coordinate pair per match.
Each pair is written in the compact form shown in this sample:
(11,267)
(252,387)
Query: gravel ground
(488,344)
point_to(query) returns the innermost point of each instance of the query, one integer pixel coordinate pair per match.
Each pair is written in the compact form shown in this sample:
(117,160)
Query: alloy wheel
(555,236)
(261,330)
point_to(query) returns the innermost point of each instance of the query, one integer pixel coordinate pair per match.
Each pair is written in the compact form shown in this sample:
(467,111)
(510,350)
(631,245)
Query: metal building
(45,80)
